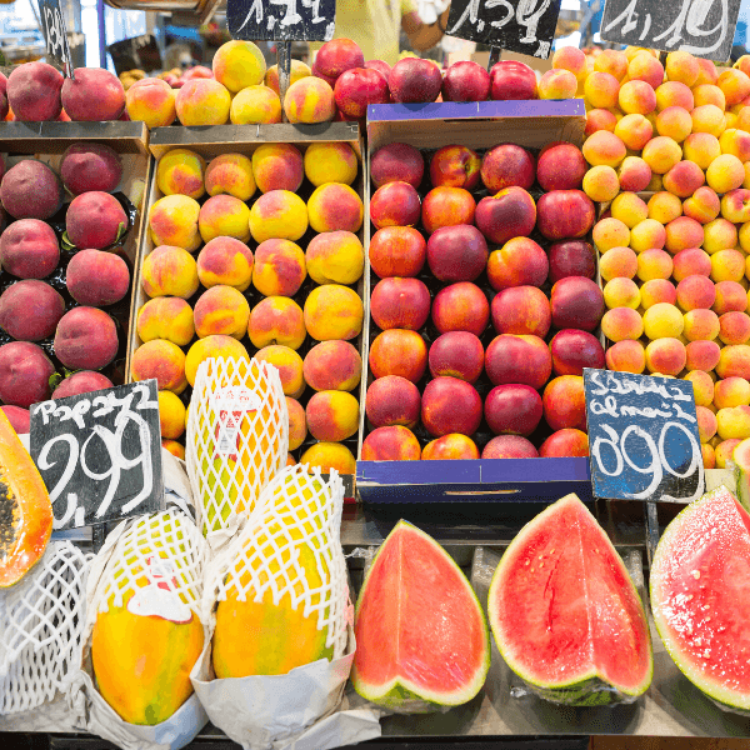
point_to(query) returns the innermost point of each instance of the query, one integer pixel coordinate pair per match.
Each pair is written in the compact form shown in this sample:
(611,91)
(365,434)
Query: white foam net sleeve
(297,510)
(41,628)
(157,562)
(237,439)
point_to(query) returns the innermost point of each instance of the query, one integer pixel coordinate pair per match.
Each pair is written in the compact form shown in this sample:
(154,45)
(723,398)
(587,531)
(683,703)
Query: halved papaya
(25,508)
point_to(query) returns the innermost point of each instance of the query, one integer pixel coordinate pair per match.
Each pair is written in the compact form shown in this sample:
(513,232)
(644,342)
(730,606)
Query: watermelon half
(700,597)
(565,615)
(741,458)
(422,639)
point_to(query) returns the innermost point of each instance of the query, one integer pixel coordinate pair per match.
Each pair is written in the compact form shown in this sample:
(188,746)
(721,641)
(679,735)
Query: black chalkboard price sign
(55,35)
(282,20)
(643,437)
(138,52)
(704,28)
(525,26)
(100,454)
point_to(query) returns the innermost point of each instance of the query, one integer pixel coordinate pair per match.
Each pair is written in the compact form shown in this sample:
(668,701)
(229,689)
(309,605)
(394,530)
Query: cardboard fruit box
(210,142)
(479,126)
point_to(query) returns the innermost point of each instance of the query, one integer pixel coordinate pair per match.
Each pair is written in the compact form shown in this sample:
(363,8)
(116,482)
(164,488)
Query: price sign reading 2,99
(643,437)
(100,454)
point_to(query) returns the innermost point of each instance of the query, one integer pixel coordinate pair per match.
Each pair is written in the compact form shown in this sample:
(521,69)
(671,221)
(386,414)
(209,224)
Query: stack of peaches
(58,305)
(289,299)
(486,309)
(674,259)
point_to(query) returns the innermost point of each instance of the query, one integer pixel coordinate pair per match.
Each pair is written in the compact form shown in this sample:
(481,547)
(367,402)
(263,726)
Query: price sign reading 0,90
(643,437)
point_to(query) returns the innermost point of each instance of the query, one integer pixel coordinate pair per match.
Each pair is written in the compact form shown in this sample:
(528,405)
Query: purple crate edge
(490,109)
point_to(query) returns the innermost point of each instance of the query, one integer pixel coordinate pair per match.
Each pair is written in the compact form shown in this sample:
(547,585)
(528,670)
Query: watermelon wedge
(700,579)
(565,615)
(422,639)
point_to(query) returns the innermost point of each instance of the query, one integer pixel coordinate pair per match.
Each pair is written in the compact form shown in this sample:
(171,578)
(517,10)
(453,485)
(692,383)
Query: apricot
(173,221)
(666,356)
(277,320)
(279,214)
(335,258)
(618,262)
(224,216)
(309,100)
(169,271)
(203,101)
(604,148)
(330,162)
(626,356)
(152,101)
(333,365)
(335,207)
(171,415)
(162,360)
(278,166)
(279,268)
(289,364)
(230,174)
(332,312)
(169,318)
(622,323)
(657,290)
(221,310)
(725,173)
(297,423)
(225,260)
(703,385)
(663,321)
(701,325)
(664,207)
(327,456)
(637,98)
(180,172)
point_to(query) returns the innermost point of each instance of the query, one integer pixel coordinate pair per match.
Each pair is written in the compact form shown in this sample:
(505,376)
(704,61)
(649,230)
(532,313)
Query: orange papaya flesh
(142,664)
(263,638)
(25,509)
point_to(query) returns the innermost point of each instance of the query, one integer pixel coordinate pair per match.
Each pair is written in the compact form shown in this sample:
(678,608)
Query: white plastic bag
(41,628)
(297,514)
(155,564)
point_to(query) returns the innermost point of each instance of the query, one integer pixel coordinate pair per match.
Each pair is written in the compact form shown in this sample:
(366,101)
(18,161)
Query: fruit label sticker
(643,437)
(55,35)
(231,404)
(100,454)
(159,598)
(282,20)
(702,27)
(525,26)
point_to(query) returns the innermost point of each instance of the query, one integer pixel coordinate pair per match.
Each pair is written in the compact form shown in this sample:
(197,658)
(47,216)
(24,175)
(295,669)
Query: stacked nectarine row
(294,308)
(50,309)
(674,262)
(463,248)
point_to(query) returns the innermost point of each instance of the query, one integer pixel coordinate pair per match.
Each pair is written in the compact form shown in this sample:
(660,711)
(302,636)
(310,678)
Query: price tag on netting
(525,26)
(702,27)
(643,437)
(55,35)
(282,20)
(100,454)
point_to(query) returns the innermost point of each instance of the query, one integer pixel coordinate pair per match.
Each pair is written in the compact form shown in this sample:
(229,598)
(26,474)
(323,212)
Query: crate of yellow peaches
(254,250)
(668,149)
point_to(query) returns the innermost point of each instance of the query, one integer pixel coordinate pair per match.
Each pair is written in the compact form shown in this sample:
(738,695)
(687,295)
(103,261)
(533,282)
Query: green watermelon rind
(726,699)
(592,687)
(402,694)
(742,473)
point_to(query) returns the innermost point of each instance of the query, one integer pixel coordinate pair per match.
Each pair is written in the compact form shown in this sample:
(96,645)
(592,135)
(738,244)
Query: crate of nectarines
(485,304)
(72,200)
(254,249)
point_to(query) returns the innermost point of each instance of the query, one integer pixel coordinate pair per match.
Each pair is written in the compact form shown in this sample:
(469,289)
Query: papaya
(25,508)
(267,637)
(143,651)
(257,451)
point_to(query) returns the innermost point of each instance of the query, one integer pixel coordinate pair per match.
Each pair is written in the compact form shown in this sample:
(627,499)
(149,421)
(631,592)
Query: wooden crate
(48,141)
(245,139)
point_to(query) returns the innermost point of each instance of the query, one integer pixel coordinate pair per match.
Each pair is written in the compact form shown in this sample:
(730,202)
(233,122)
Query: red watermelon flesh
(422,639)
(700,596)
(564,613)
